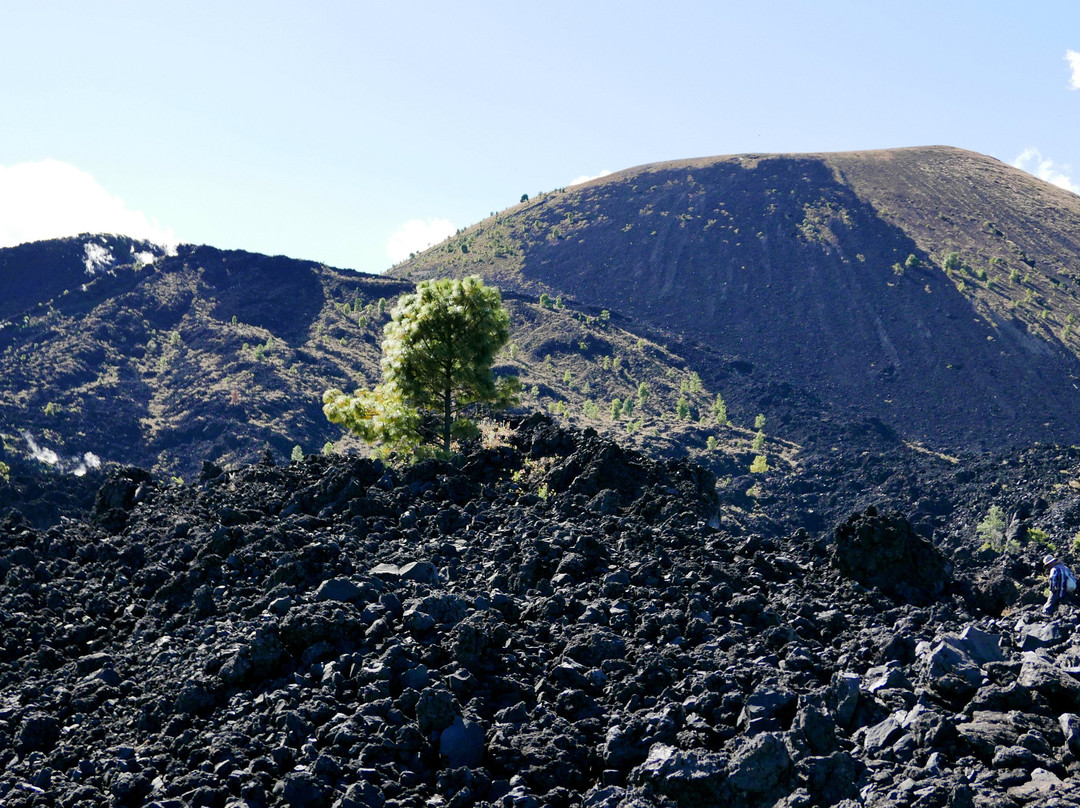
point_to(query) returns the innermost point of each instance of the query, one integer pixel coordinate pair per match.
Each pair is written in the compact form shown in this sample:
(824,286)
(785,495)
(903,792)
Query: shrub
(992,531)
(719,409)
(1040,537)
(760,465)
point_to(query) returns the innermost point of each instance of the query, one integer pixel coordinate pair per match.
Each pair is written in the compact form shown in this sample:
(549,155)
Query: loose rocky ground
(552,621)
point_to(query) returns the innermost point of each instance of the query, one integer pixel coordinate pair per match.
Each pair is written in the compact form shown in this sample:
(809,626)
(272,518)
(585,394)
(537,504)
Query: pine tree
(438,349)
(719,409)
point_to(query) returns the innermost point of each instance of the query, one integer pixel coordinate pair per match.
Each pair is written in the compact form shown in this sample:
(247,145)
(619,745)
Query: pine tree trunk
(447,401)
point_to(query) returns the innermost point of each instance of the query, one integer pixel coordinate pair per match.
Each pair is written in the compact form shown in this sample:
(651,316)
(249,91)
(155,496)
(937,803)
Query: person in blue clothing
(1062,583)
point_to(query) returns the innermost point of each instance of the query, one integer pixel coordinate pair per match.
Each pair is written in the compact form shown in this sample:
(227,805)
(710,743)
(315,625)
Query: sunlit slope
(933,288)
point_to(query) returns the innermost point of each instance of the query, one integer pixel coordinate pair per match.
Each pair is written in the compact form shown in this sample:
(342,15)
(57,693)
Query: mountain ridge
(796,287)
(761,242)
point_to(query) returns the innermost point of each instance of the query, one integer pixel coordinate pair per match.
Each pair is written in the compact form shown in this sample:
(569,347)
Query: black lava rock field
(547,620)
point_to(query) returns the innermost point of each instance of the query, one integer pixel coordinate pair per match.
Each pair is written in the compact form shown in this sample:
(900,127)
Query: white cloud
(1073,58)
(39,453)
(89,461)
(51,199)
(1032,161)
(97,258)
(75,465)
(417,235)
(586,178)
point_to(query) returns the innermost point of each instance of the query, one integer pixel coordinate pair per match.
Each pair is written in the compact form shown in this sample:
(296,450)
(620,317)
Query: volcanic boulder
(883,551)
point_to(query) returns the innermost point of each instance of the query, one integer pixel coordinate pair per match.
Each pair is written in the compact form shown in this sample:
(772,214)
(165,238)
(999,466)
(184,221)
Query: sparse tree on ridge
(719,409)
(438,349)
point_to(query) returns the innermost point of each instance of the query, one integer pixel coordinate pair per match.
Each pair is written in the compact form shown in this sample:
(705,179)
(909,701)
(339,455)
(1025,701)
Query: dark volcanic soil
(554,621)
(828,272)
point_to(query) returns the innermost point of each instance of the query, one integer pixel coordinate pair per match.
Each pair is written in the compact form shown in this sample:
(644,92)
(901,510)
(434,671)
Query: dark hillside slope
(216,355)
(37,271)
(206,355)
(830,272)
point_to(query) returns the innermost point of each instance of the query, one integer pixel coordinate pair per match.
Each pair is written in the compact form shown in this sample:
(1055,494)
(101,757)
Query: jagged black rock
(553,621)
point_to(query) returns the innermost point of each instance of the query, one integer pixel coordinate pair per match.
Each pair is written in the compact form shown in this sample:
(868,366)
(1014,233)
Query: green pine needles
(992,531)
(437,352)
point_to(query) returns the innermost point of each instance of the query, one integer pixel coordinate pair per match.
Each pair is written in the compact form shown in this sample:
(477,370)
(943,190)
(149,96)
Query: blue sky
(352,132)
